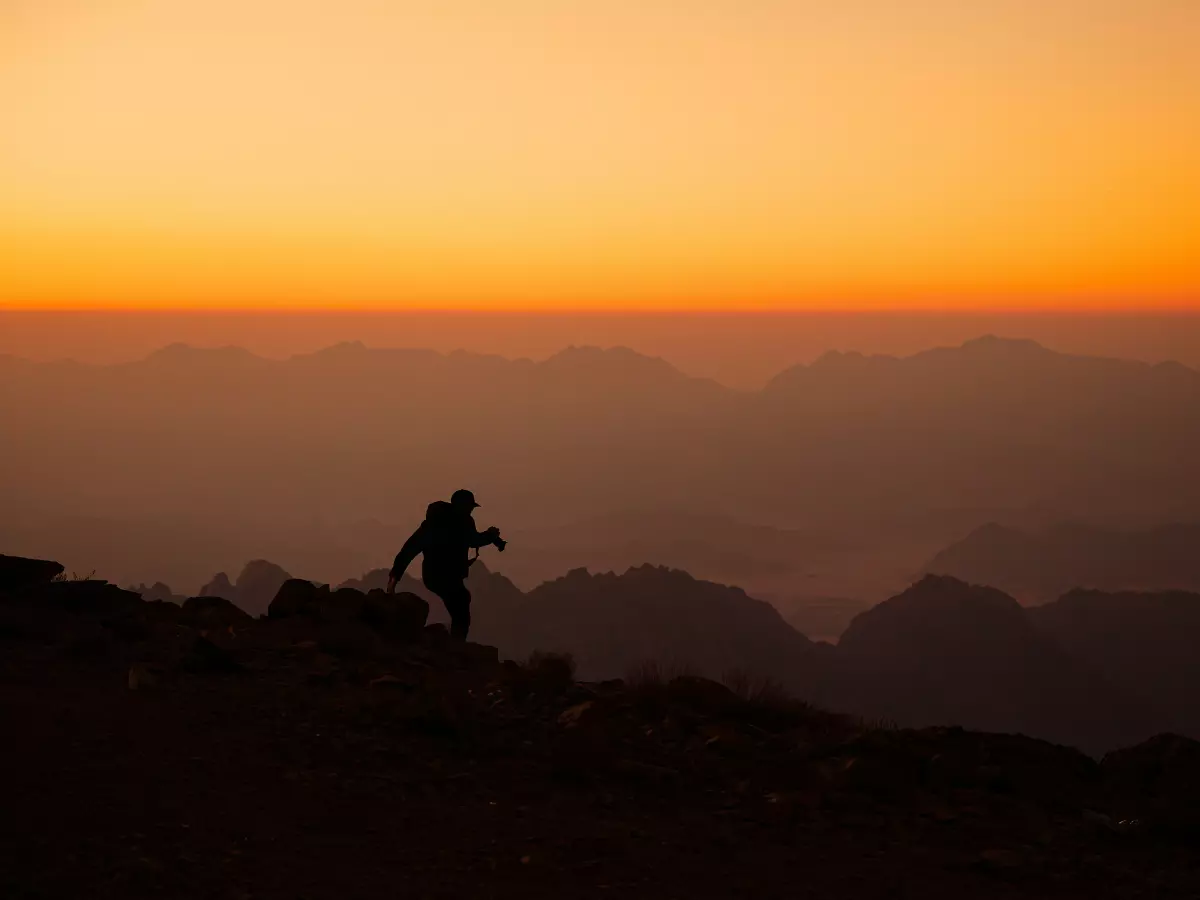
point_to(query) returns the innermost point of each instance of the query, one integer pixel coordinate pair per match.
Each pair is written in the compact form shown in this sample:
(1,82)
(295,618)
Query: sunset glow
(288,154)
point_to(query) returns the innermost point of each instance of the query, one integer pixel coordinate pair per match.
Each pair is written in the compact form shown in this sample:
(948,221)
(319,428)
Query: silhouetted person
(445,537)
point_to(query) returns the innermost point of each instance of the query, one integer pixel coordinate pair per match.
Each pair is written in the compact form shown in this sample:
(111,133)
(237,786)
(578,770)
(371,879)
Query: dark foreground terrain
(340,748)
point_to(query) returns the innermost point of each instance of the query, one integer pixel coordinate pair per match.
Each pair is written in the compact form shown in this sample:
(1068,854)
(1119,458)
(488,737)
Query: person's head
(463,502)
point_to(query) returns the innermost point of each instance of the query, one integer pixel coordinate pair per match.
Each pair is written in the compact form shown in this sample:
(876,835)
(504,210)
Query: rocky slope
(1093,670)
(341,747)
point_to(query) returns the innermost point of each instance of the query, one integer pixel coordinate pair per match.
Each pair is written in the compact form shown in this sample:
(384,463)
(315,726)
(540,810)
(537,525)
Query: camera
(501,544)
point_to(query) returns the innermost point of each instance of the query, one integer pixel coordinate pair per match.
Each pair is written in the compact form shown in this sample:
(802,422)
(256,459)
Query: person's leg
(457,600)
(460,612)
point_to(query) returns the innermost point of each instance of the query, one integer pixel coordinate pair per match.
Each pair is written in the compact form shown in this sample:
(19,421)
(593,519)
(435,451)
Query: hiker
(444,538)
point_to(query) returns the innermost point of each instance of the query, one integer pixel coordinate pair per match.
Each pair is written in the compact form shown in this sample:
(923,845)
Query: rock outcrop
(18,572)
(401,616)
(215,612)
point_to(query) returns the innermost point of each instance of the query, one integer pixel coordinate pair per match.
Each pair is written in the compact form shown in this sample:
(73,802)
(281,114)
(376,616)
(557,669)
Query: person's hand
(391,587)
(492,532)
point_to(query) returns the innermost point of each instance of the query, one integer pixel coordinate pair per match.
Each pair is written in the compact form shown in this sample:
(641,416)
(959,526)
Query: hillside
(338,748)
(947,652)
(1144,642)
(1042,565)
(612,623)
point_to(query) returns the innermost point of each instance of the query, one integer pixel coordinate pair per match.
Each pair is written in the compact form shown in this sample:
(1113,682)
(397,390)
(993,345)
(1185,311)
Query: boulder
(295,597)
(214,612)
(163,611)
(401,616)
(98,598)
(19,572)
(344,604)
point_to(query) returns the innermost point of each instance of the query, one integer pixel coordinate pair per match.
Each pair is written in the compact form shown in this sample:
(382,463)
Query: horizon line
(615,312)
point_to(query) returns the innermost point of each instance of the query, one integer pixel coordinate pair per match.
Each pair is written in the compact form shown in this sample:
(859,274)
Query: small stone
(141,677)
(998,860)
(389,680)
(569,718)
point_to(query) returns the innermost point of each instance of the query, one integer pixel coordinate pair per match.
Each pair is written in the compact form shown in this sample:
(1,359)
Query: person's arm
(477,538)
(413,546)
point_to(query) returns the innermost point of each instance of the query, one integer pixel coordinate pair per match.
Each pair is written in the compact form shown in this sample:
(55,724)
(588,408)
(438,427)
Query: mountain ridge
(990,348)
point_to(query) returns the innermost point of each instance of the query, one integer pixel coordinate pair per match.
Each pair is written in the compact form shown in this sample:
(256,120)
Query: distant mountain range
(848,443)
(1037,566)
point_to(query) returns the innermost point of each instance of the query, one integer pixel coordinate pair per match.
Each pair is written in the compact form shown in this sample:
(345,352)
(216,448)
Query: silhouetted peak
(220,586)
(850,365)
(583,353)
(832,364)
(945,590)
(588,359)
(158,591)
(988,350)
(259,569)
(643,574)
(343,348)
(994,344)
(662,574)
(940,607)
(1175,369)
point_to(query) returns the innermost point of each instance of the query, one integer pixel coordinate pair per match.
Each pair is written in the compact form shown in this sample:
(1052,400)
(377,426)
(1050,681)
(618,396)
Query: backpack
(445,534)
(439,515)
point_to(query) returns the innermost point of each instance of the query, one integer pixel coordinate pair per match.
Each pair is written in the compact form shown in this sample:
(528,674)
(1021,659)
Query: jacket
(444,539)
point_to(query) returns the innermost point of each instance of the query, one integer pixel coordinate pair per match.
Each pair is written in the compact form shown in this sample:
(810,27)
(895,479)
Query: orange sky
(623,154)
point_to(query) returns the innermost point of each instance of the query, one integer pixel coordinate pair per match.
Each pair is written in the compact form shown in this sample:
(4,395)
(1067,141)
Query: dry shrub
(651,674)
(756,689)
(768,704)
